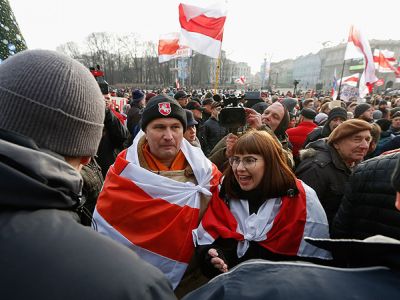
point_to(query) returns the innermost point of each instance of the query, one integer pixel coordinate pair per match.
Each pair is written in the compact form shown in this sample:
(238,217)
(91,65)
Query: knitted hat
(162,106)
(360,109)
(52,99)
(308,113)
(337,112)
(137,96)
(320,118)
(348,128)
(190,119)
(149,96)
(377,114)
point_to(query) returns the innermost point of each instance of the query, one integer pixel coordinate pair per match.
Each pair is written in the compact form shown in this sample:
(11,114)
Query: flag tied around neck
(202,28)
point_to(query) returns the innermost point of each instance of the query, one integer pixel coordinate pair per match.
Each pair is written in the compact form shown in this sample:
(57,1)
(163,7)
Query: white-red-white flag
(202,28)
(358,47)
(384,61)
(167,46)
(241,80)
(351,80)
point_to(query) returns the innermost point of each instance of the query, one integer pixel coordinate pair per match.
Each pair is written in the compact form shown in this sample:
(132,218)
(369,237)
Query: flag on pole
(167,46)
(334,86)
(202,28)
(241,80)
(358,47)
(351,80)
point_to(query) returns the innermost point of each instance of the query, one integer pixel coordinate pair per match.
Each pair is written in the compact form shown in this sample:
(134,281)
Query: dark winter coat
(114,136)
(213,133)
(322,168)
(318,133)
(45,253)
(367,207)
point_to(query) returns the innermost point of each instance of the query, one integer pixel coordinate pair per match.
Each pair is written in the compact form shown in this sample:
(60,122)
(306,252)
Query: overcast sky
(254,28)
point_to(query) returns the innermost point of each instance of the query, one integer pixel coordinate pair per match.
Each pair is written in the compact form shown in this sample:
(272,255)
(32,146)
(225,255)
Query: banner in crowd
(202,28)
(347,92)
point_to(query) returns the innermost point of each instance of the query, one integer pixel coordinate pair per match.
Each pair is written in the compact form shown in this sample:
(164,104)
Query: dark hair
(278,177)
(280,131)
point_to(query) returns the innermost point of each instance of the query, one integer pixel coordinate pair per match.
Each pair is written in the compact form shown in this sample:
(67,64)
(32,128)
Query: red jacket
(298,135)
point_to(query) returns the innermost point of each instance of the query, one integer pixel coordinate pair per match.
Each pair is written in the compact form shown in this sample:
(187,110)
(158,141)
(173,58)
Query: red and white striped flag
(202,28)
(241,80)
(358,47)
(384,61)
(167,46)
(280,232)
(351,80)
(154,215)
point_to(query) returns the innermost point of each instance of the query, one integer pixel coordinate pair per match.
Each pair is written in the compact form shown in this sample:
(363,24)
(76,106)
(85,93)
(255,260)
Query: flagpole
(341,78)
(217,71)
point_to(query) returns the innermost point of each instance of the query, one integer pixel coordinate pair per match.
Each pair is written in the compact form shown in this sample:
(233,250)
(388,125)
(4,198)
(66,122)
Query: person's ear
(85,160)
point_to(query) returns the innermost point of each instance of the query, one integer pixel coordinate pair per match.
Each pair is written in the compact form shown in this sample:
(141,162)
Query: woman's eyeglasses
(248,162)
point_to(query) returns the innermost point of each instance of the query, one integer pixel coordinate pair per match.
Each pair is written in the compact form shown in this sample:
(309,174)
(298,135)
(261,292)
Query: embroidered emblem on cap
(164,108)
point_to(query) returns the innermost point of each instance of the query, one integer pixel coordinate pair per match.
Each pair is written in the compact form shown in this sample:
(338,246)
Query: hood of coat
(312,149)
(33,178)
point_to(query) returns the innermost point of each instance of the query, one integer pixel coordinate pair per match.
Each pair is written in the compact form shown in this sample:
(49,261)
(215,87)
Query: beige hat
(348,128)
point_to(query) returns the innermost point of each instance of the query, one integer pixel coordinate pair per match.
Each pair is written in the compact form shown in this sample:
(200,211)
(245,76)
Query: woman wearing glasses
(263,211)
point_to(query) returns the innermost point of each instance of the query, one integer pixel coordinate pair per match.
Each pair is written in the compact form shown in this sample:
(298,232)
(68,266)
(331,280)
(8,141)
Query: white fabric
(254,227)
(172,269)
(179,193)
(216,10)
(201,43)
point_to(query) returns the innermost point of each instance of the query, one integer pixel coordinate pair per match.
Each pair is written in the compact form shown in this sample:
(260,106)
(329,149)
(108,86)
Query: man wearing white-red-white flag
(358,47)
(156,192)
(167,46)
(202,28)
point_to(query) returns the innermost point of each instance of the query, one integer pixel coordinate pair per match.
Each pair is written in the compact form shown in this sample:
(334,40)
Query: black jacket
(112,142)
(44,252)
(322,169)
(318,133)
(213,132)
(367,207)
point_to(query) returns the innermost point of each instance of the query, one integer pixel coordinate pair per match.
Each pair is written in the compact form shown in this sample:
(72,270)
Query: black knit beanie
(336,112)
(360,109)
(163,106)
(52,99)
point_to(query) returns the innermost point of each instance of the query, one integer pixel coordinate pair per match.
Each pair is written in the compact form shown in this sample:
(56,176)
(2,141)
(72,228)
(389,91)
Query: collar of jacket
(34,178)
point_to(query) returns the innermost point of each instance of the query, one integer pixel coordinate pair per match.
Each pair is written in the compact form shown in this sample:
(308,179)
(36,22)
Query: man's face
(273,115)
(190,134)
(353,148)
(367,115)
(183,101)
(396,122)
(398,200)
(335,122)
(164,136)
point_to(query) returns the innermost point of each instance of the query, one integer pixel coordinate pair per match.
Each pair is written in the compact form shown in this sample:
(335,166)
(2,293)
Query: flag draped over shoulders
(152,214)
(280,232)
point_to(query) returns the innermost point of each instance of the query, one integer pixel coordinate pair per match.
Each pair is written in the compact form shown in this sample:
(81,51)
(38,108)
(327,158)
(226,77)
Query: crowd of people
(153,199)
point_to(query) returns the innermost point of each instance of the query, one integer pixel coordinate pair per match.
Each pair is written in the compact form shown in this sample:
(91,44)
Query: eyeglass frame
(245,165)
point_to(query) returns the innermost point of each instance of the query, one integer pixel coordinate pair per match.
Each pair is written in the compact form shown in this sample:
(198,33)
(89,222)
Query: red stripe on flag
(147,222)
(211,27)
(168,46)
